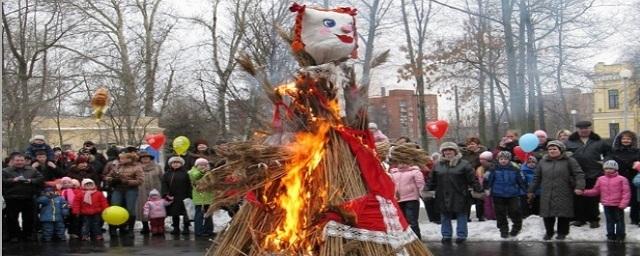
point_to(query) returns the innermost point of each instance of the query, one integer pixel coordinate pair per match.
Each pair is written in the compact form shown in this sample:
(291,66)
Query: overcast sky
(448,24)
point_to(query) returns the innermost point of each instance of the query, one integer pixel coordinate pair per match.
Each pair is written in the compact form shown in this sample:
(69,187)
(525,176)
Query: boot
(113,232)
(176,225)
(130,224)
(145,228)
(185,226)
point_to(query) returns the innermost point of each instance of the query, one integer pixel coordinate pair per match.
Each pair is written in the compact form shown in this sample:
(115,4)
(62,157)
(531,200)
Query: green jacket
(199,198)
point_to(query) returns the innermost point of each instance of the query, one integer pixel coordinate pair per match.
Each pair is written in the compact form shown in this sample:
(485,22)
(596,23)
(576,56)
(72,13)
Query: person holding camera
(20,184)
(124,181)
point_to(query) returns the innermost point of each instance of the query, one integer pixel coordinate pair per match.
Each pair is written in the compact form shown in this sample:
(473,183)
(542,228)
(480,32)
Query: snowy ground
(532,229)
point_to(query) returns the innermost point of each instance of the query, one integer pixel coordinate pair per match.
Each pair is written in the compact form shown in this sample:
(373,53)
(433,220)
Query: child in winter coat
(614,196)
(38,143)
(68,189)
(53,209)
(528,170)
(482,172)
(409,182)
(202,226)
(88,205)
(506,183)
(154,210)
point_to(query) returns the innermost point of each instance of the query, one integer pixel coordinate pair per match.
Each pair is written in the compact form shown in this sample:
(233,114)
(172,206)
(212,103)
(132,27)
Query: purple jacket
(613,190)
(409,182)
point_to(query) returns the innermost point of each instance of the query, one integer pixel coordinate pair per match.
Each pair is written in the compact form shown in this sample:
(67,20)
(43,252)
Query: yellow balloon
(115,215)
(181,144)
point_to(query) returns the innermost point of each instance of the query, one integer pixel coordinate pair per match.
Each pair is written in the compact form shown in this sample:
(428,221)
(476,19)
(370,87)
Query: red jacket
(98,203)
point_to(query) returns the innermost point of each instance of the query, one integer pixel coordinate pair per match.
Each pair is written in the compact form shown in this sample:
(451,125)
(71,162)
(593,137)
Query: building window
(614,129)
(613,99)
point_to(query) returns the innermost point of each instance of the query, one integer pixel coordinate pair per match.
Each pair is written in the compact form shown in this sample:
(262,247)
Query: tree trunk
(416,65)
(516,93)
(457,111)
(368,53)
(563,101)
(482,116)
(535,103)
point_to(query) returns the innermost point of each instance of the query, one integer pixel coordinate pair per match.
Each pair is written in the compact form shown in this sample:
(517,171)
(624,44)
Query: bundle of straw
(408,153)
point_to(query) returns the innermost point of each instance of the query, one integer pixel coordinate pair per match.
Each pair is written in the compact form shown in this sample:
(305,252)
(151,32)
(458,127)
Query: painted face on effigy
(328,35)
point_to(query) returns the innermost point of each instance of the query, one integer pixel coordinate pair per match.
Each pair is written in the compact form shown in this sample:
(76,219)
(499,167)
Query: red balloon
(438,128)
(520,154)
(156,141)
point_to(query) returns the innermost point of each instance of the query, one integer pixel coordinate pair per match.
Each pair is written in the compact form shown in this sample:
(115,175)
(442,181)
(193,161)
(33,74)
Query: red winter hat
(82,159)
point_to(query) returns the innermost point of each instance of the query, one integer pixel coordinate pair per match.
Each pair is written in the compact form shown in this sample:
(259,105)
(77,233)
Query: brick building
(396,114)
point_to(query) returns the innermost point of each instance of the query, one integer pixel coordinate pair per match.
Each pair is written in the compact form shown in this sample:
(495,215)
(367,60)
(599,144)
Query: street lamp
(625,74)
(573,116)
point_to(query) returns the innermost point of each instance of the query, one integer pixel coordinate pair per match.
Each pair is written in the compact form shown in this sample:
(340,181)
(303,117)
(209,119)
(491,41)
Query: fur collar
(593,136)
(453,162)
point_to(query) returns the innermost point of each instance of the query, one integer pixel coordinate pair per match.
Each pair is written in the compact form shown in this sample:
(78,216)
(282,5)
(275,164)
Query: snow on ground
(532,229)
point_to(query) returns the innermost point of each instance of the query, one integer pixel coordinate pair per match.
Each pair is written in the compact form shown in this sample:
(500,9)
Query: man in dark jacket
(589,150)
(90,147)
(20,184)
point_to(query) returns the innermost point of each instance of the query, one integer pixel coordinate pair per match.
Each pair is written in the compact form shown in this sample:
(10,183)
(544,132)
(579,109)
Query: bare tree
(422,13)
(224,48)
(120,48)
(32,29)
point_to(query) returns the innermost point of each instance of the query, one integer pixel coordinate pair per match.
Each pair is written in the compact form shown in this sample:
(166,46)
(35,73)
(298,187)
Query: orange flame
(292,234)
(309,150)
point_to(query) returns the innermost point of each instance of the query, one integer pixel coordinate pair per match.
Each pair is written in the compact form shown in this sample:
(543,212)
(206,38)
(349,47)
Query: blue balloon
(528,142)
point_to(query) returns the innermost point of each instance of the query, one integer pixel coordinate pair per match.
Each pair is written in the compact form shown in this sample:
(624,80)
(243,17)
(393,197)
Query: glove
(636,166)
(487,192)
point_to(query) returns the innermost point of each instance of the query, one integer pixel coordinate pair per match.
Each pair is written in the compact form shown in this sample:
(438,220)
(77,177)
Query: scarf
(87,196)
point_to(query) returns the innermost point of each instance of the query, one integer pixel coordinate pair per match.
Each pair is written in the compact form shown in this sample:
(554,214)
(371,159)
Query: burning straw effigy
(315,186)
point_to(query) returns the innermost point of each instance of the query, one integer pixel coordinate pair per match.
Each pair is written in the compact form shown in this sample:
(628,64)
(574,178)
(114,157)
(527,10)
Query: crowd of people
(58,193)
(563,181)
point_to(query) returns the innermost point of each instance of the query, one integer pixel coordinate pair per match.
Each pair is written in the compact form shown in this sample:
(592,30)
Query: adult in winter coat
(508,143)
(543,139)
(451,180)
(176,186)
(20,184)
(589,150)
(625,152)
(202,226)
(559,176)
(471,152)
(82,170)
(152,180)
(90,147)
(124,181)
